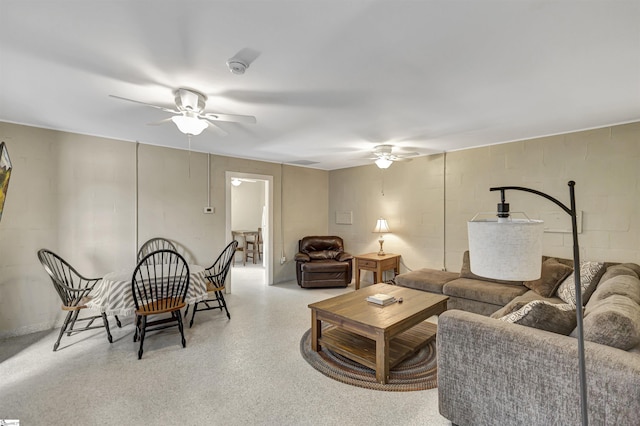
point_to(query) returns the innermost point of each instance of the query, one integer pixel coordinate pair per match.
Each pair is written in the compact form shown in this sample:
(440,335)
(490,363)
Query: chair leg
(73,321)
(193,315)
(106,326)
(186,312)
(181,328)
(222,303)
(118,321)
(137,329)
(142,330)
(62,330)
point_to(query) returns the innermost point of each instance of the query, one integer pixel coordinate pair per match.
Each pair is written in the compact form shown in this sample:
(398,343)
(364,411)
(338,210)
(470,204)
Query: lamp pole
(571,211)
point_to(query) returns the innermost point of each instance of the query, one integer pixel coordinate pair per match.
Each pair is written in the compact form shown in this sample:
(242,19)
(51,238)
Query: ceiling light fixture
(189,123)
(236,182)
(383,163)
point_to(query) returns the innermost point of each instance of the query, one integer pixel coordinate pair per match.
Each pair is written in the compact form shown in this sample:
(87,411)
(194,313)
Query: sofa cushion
(483,291)
(547,316)
(614,321)
(623,285)
(633,266)
(552,274)
(590,274)
(425,279)
(465,272)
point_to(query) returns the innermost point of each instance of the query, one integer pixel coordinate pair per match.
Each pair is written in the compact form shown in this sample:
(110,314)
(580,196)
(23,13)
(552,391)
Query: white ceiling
(333,79)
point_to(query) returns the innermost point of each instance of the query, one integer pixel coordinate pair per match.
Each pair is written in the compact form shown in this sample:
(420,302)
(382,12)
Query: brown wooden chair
(254,247)
(73,290)
(155,244)
(159,288)
(216,277)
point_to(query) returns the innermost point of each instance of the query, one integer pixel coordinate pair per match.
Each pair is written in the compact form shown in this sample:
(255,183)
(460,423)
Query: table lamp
(381,227)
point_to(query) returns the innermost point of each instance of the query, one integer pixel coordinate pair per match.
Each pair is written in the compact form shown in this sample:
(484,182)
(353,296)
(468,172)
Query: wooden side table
(376,264)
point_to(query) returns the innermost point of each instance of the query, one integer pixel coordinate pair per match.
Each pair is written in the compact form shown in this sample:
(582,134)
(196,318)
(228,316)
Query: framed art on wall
(5,174)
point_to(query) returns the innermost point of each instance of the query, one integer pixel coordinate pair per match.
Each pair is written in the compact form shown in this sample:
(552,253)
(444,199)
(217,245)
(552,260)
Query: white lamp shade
(189,125)
(506,250)
(383,163)
(382,227)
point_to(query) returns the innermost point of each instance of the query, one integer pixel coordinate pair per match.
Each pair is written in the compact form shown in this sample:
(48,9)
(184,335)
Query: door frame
(267,237)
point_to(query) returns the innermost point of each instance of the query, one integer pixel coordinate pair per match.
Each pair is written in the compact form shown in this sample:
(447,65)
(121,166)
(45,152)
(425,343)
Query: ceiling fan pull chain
(189,137)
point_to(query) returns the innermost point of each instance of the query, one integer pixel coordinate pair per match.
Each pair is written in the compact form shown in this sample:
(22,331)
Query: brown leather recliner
(322,262)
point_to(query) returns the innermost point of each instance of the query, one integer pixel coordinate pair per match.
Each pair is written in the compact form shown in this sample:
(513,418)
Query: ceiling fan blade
(234,118)
(215,128)
(146,104)
(158,123)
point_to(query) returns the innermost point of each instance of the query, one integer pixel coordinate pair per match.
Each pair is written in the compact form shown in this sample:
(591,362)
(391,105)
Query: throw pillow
(465,272)
(614,321)
(540,314)
(553,273)
(588,282)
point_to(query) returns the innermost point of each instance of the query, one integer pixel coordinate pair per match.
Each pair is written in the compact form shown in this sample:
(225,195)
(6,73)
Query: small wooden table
(379,337)
(377,264)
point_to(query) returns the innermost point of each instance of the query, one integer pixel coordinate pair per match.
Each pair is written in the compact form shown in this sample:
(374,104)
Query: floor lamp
(512,250)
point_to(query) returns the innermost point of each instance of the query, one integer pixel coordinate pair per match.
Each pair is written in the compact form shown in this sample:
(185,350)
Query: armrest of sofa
(492,372)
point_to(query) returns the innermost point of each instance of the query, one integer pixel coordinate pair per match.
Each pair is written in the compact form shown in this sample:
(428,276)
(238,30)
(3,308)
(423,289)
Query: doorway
(249,206)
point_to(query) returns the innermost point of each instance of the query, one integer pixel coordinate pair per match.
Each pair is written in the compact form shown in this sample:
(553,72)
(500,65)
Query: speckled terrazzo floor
(247,370)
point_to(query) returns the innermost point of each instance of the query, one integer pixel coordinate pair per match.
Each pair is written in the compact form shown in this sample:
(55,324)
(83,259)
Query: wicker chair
(216,276)
(73,290)
(159,288)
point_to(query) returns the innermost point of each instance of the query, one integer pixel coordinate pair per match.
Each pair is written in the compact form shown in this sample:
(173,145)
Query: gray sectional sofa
(497,365)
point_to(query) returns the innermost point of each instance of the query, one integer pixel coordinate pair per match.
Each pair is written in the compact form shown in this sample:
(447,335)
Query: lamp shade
(383,163)
(506,249)
(382,227)
(189,125)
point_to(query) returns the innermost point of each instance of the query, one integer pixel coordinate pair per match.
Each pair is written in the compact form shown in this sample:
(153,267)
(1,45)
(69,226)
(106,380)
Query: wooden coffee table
(379,337)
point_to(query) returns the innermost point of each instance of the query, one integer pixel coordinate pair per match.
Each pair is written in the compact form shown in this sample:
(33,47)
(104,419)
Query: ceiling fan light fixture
(189,124)
(383,163)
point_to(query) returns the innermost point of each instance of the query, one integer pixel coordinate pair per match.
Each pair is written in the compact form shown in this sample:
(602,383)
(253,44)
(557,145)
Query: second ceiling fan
(190,117)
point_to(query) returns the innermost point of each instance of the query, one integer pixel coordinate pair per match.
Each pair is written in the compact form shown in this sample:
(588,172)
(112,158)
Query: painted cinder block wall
(429,200)
(76,195)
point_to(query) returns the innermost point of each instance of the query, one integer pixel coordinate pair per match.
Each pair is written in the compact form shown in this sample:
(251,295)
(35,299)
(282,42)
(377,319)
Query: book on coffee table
(381,299)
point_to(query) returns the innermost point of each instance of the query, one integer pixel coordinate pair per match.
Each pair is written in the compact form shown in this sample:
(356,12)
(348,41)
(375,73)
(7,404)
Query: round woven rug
(415,373)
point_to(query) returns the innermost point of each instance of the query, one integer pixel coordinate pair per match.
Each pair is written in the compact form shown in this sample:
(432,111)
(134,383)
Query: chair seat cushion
(161,306)
(325,265)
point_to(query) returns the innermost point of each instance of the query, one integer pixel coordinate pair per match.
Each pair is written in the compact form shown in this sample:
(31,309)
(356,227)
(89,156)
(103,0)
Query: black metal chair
(159,288)
(155,244)
(216,276)
(73,290)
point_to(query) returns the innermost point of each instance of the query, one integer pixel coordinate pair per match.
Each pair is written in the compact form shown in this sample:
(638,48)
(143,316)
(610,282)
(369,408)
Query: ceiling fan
(190,116)
(384,156)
